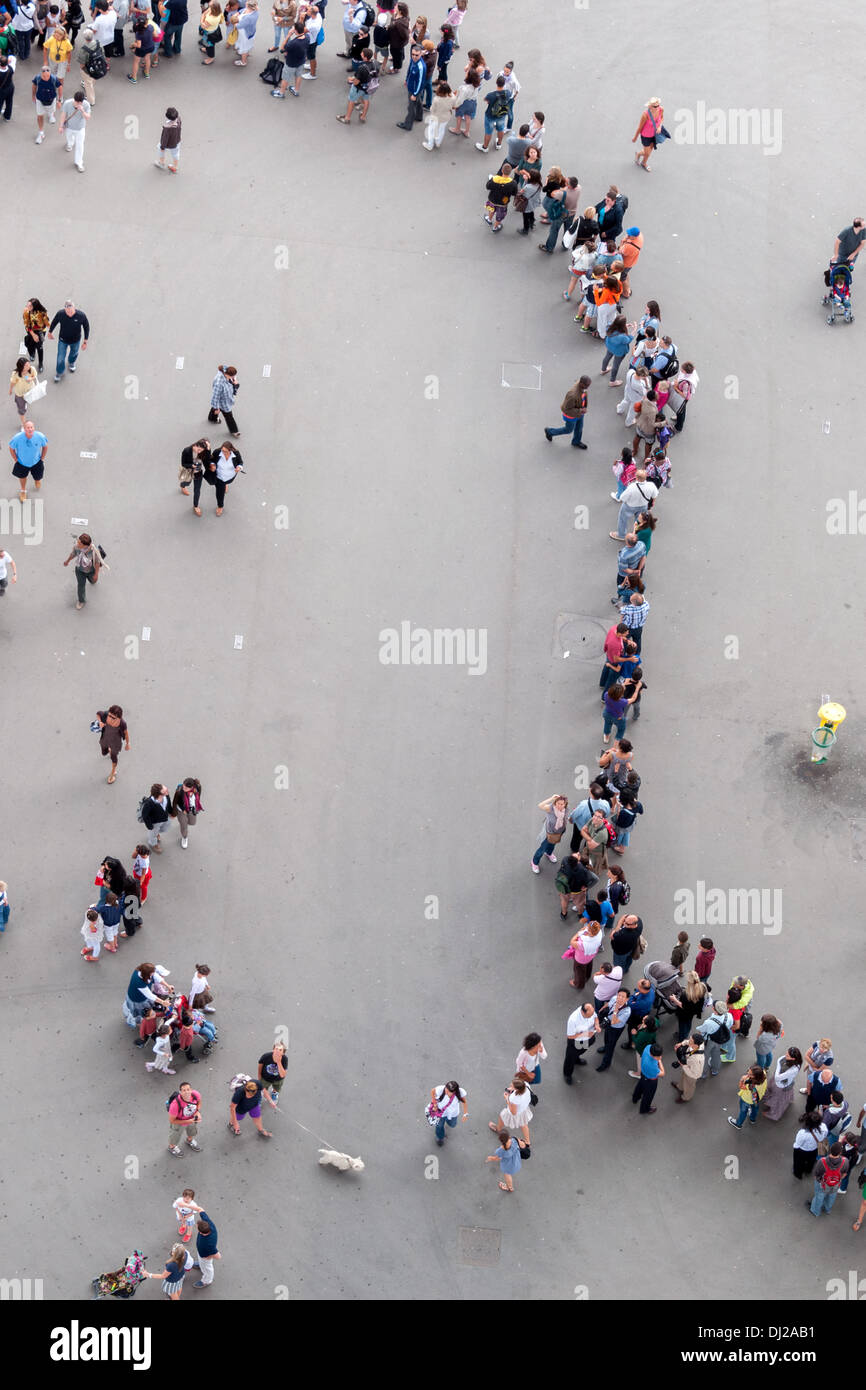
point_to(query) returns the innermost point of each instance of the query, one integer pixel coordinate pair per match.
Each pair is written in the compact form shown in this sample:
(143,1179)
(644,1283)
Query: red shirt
(613,644)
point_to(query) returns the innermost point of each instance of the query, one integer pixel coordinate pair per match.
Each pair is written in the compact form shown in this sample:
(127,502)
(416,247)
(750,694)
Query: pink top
(653,124)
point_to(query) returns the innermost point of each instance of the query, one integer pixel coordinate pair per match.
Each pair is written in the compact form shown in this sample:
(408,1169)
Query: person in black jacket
(7,87)
(192,464)
(610,213)
(154,814)
(73,331)
(223,467)
(623,940)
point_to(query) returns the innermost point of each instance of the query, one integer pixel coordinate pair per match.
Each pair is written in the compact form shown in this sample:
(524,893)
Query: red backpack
(830,1178)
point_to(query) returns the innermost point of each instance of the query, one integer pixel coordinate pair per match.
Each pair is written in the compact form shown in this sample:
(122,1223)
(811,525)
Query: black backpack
(721,1036)
(499,106)
(96,65)
(369,16)
(669,369)
(273,72)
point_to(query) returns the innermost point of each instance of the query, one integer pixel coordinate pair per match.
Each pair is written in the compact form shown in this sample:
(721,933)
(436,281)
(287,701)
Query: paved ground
(409,782)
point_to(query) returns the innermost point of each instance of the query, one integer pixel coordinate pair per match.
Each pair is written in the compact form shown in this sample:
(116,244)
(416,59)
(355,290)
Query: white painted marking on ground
(178,364)
(78,521)
(85,454)
(266,369)
(145,634)
(239,641)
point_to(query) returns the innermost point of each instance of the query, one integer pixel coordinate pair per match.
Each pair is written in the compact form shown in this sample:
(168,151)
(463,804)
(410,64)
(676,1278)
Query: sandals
(112,778)
(505,1187)
(491,1125)
(343,119)
(235,1132)
(264,1134)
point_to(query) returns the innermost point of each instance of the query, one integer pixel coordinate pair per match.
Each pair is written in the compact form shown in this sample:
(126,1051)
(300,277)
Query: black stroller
(838,297)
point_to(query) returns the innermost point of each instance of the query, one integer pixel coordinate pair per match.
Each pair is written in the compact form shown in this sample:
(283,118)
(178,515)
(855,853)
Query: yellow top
(25,382)
(58,50)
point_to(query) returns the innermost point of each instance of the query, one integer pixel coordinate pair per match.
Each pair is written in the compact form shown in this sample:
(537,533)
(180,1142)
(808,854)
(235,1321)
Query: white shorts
(45,110)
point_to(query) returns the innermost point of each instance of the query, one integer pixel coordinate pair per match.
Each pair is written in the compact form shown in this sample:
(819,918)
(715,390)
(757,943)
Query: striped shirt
(635,615)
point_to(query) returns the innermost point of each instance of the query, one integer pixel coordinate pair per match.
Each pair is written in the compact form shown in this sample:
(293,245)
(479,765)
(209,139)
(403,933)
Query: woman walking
(585,945)
(247,21)
(781,1088)
(508,1158)
(173,1275)
(554,808)
(186,805)
(114,736)
(224,466)
(648,129)
(36,325)
(811,1133)
(193,460)
(517,1111)
(444,1108)
(224,388)
(22,380)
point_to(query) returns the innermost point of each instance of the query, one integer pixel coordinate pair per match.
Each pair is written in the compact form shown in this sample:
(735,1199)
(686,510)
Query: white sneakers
(40,137)
(534,867)
(184,841)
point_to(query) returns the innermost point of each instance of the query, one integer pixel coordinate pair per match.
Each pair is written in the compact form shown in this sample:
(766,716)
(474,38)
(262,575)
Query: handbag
(663,134)
(232,37)
(554,836)
(569,238)
(520,201)
(36,392)
(184,475)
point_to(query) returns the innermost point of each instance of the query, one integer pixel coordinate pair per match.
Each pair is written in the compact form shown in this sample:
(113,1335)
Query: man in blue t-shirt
(28,449)
(207,1249)
(651,1069)
(45,88)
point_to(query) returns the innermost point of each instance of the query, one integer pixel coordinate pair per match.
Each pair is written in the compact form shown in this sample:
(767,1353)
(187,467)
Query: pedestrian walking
(649,128)
(444,1108)
(651,1071)
(581,1031)
(154,813)
(93,936)
(5,909)
(247,1100)
(224,388)
(169,141)
(829,1173)
(6,563)
(173,1275)
(57,52)
(780,1088)
(689,1055)
(114,734)
(73,331)
(36,323)
(516,1114)
(220,472)
(811,1133)
(143,49)
(45,89)
(111,915)
(92,63)
(359,89)
(184,1118)
(28,449)
(161,1052)
(617,1012)
(193,460)
(73,123)
(7,86)
(716,1032)
(207,1249)
(753,1086)
(186,1209)
(186,806)
(88,562)
(573,410)
(554,808)
(508,1158)
(495,116)
(273,1070)
(529,1059)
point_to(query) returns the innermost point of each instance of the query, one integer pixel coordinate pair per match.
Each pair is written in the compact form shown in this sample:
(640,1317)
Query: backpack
(830,1178)
(721,1036)
(138,814)
(369,16)
(624,894)
(174,1095)
(670,368)
(498,106)
(745,1023)
(96,65)
(11,43)
(373,82)
(611,833)
(272,72)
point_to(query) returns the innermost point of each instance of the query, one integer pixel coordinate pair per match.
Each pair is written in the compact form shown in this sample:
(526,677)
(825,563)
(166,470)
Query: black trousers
(804,1161)
(644,1092)
(214,415)
(572,1052)
(219,486)
(196,488)
(397,52)
(414,111)
(34,349)
(6,102)
(611,1037)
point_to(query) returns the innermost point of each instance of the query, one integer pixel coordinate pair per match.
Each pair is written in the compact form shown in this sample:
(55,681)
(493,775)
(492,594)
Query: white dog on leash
(331,1158)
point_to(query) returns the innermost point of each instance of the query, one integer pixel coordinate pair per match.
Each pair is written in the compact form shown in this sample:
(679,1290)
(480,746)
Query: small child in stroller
(122,1283)
(838,297)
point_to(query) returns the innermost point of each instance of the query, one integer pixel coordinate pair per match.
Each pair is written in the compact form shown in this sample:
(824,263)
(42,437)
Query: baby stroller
(123,1282)
(666,978)
(838,297)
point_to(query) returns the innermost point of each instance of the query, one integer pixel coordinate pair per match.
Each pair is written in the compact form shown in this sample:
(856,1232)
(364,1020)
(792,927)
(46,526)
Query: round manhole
(582,637)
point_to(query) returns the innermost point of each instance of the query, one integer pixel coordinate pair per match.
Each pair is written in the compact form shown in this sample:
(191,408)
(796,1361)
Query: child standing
(680,953)
(704,960)
(185,1207)
(111,913)
(91,930)
(169,141)
(200,990)
(141,871)
(161,1051)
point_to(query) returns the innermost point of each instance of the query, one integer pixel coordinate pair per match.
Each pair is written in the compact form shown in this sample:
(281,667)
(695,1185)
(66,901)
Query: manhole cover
(580,636)
(479,1245)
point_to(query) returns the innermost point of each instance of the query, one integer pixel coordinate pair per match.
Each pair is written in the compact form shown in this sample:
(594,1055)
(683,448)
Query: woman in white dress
(517,1112)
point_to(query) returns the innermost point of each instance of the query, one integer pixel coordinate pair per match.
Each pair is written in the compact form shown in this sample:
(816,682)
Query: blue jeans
(427,92)
(623,837)
(207,1030)
(747,1109)
(764,1059)
(626,519)
(280,36)
(544,848)
(441,1123)
(609,722)
(573,427)
(822,1201)
(171,36)
(729,1049)
(62,349)
(624,962)
(550,244)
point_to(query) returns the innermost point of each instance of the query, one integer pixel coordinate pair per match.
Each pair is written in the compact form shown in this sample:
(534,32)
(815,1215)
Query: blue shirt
(642,1003)
(582,813)
(416,75)
(28,451)
(649,1066)
(46,89)
(607,913)
(206,1246)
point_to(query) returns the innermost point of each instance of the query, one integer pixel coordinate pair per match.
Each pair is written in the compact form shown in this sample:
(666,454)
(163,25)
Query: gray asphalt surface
(406,782)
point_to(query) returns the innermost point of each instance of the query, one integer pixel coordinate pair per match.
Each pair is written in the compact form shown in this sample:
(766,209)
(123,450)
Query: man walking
(184,1118)
(44,99)
(73,326)
(206,1249)
(573,410)
(28,449)
(73,123)
(652,1069)
(154,814)
(849,241)
(416,74)
(87,565)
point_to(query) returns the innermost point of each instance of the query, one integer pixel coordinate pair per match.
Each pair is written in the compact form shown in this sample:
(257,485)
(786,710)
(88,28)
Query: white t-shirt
(312,27)
(5,559)
(528,1061)
(637,494)
(808,1140)
(520,1103)
(452,1110)
(785,1078)
(579,1026)
(103,26)
(692,378)
(198,986)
